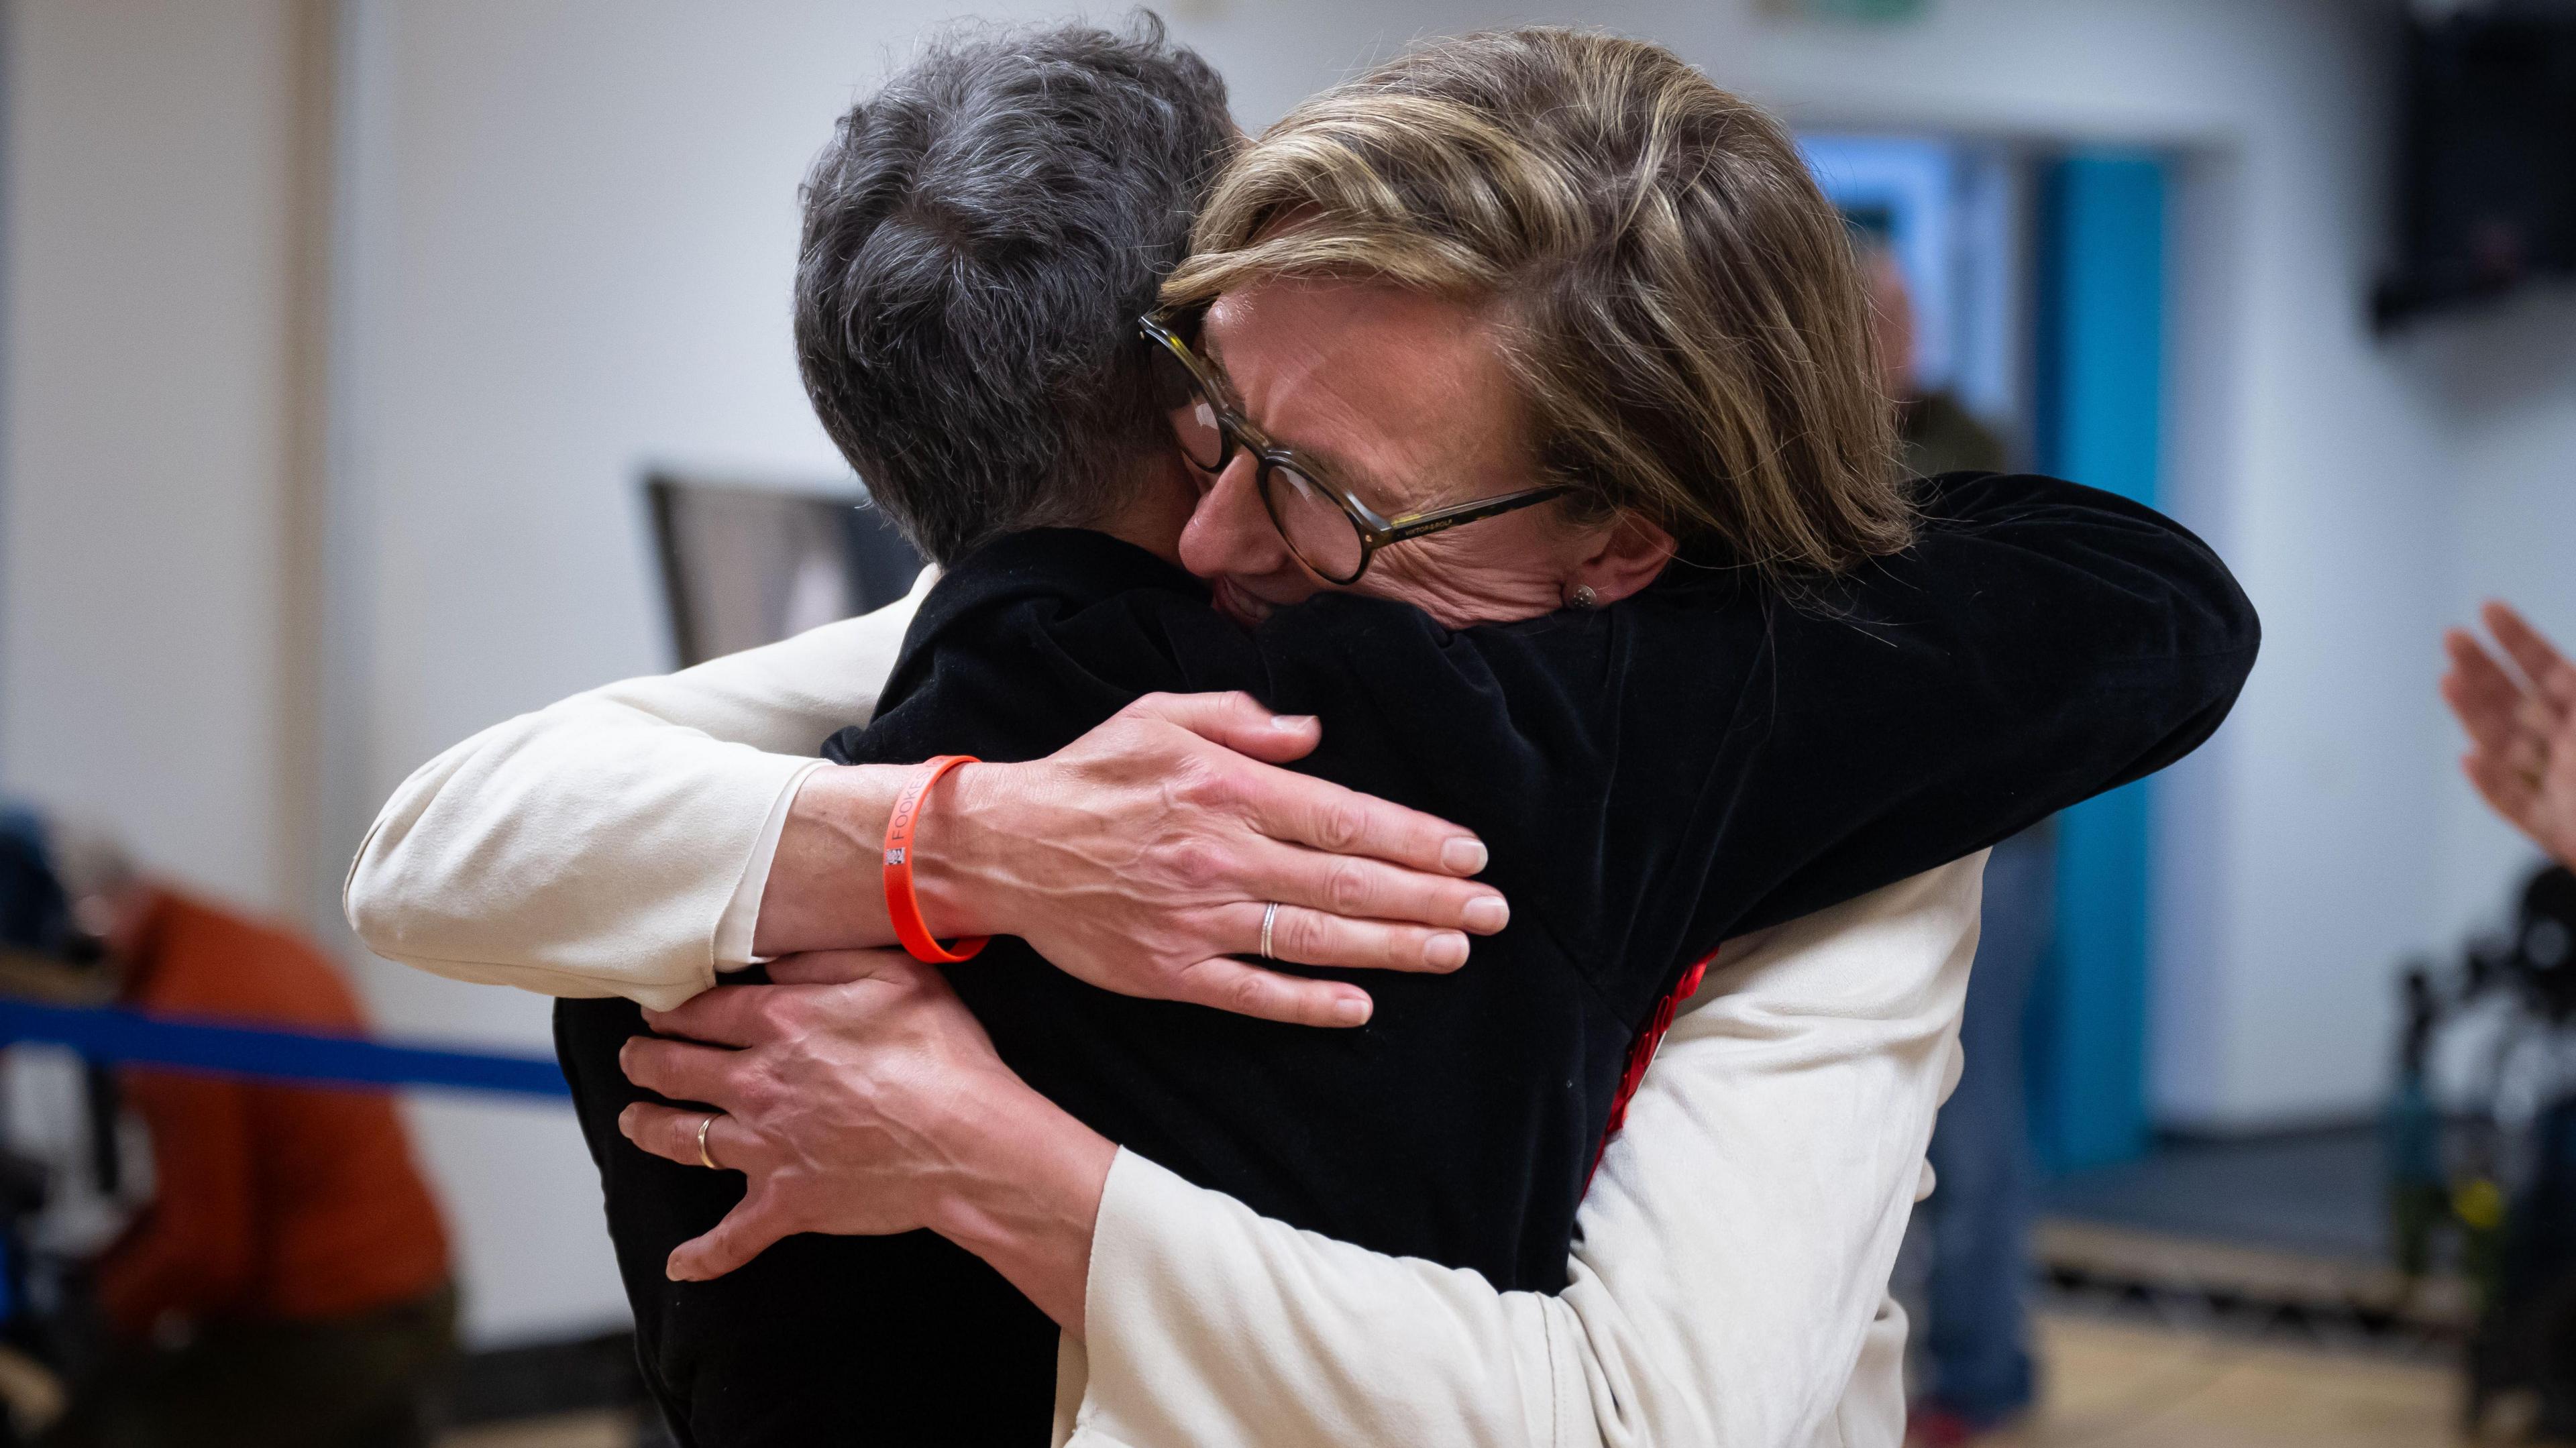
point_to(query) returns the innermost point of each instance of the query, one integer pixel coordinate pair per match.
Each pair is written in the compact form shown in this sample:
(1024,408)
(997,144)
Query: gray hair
(979,238)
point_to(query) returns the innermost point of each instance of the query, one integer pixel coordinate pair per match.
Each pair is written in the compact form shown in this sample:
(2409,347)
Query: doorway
(2037,278)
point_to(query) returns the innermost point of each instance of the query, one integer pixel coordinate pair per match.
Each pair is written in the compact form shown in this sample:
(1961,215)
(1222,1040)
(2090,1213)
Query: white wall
(143,416)
(563,254)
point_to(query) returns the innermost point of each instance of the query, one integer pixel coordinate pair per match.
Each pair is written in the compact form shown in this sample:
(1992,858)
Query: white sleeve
(610,844)
(1728,1286)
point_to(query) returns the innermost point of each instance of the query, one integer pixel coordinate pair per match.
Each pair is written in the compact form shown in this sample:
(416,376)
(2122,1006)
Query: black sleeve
(2043,642)
(1714,756)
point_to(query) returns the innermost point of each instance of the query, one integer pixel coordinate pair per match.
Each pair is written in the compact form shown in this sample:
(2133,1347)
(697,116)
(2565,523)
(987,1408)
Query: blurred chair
(744,566)
(2484,1174)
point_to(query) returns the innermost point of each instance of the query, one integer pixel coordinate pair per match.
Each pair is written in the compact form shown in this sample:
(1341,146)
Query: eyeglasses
(1329,530)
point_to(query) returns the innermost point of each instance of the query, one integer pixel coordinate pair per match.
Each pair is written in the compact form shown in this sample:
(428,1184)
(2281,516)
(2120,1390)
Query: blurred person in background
(1976,1223)
(287,1284)
(2520,714)
(1935,429)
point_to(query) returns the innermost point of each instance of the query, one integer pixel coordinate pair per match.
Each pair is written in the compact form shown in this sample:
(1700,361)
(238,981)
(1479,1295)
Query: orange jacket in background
(270,1201)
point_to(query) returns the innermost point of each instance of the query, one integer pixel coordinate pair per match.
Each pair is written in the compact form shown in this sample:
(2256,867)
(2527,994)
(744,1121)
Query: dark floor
(2315,1192)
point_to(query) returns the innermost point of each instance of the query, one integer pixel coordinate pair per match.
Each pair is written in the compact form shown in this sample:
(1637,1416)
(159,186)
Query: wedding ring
(704,1127)
(1269,917)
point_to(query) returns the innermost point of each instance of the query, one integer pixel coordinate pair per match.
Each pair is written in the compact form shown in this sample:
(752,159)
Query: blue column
(2099,365)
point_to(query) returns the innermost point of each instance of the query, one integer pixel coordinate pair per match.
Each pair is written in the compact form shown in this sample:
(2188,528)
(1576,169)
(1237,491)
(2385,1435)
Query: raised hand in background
(2520,714)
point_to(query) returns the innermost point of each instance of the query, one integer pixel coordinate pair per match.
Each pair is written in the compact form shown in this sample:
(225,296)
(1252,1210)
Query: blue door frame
(2099,374)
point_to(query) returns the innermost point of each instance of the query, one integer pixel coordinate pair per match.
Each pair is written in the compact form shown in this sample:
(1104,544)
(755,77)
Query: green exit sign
(1875,11)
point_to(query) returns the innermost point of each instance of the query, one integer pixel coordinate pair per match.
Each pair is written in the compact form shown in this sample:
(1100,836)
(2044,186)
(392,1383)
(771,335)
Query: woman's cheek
(1460,579)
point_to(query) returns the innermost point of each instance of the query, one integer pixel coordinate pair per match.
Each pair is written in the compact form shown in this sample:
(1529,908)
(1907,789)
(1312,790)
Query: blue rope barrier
(137,1039)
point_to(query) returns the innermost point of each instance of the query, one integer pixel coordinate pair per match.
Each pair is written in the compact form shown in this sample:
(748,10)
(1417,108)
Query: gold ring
(704,1127)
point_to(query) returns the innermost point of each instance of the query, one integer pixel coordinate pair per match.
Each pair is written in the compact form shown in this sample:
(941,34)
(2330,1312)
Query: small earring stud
(1583,597)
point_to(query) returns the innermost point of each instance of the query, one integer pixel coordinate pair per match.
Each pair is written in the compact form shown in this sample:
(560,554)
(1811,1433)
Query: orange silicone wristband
(903,905)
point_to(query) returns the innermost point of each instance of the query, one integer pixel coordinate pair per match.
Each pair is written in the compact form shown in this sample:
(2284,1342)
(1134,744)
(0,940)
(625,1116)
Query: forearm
(825,885)
(2049,642)
(1025,1187)
(1737,1242)
(584,850)
(1210,1326)
(595,847)
(619,843)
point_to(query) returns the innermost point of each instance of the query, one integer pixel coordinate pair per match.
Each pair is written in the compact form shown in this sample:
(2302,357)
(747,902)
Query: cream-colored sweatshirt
(1729,1286)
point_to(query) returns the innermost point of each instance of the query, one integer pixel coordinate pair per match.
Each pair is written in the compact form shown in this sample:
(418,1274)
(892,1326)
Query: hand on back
(858,1096)
(827,1083)
(1143,857)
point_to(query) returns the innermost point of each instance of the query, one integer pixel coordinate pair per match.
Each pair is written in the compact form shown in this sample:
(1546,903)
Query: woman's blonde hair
(1677,299)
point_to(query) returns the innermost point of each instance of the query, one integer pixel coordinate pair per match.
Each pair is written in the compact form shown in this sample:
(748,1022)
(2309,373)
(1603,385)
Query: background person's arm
(1734,1258)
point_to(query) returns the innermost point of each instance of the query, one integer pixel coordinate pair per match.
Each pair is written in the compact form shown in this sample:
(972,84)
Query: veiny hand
(859,1097)
(2522,727)
(1140,858)
(826,1085)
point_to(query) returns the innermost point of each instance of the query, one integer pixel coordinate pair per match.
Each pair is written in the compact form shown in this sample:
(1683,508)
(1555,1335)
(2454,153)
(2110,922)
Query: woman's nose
(1229,531)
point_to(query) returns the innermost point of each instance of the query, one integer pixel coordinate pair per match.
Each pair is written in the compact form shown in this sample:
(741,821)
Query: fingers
(754,1223)
(1371,890)
(2511,727)
(1314,937)
(681,1071)
(1338,821)
(1306,811)
(671,1133)
(750,1229)
(1236,720)
(2508,791)
(2548,670)
(1319,937)
(2489,710)
(2535,729)
(2479,691)
(1249,990)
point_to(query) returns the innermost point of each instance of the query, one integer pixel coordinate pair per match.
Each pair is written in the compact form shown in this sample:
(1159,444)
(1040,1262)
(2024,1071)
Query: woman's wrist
(960,847)
(817,895)
(826,888)
(1023,1191)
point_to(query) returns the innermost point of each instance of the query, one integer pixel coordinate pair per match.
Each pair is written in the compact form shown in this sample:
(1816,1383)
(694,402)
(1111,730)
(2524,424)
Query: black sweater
(1652,778)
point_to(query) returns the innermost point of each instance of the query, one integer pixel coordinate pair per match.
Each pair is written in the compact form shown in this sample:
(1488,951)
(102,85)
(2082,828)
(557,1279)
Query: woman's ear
(1629,556)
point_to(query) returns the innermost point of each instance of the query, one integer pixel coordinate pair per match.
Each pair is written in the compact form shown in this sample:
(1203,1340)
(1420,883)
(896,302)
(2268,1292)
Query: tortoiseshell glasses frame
(1295,491)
